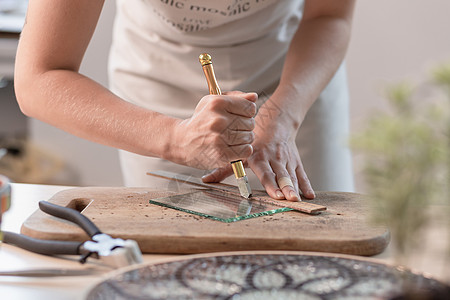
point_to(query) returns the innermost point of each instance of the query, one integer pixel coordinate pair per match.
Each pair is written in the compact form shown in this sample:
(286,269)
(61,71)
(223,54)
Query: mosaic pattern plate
(265,276)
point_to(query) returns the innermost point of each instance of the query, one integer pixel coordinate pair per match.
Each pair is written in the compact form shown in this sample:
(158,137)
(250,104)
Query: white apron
(154,64)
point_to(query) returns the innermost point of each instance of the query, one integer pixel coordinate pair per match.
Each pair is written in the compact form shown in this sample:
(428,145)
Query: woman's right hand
(219,131)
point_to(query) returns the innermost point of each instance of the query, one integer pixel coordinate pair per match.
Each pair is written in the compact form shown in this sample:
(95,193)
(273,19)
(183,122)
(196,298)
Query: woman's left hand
(275,155)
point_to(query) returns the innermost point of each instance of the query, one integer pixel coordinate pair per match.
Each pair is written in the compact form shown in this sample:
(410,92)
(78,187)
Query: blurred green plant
(406,153)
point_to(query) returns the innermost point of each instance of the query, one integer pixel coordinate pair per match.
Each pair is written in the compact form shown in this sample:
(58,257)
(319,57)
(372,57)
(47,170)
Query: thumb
(218,174)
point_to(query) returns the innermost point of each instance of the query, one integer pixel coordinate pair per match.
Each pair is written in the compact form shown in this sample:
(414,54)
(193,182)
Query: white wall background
(392,41)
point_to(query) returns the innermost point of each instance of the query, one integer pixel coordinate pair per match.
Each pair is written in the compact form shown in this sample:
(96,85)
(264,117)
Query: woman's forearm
(49,87)
(316,52)
(80,106)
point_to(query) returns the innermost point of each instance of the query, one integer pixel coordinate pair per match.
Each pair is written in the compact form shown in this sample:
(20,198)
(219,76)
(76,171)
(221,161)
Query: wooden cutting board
(126,213)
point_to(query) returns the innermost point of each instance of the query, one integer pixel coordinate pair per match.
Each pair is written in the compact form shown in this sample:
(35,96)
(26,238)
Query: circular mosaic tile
(265,276)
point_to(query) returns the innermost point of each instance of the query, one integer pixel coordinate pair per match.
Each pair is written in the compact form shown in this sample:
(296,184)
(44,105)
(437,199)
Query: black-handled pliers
(114,252)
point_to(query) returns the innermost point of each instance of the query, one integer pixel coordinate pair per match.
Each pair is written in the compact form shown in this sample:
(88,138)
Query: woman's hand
(219,131)
(275,155)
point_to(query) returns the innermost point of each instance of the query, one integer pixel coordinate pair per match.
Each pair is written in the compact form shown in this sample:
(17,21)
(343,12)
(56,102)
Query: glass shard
(218,205)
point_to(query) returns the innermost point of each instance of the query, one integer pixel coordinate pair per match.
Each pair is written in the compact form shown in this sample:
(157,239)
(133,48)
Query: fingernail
(279,194)
(293,194)
(255,95)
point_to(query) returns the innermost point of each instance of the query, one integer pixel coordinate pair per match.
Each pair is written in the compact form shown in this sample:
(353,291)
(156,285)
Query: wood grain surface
(126,213)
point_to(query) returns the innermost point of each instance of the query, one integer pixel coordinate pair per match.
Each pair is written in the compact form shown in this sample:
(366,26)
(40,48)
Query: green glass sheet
(218,205)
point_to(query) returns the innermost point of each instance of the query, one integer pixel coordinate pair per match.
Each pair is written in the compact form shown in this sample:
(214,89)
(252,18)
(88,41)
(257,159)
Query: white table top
(25,198)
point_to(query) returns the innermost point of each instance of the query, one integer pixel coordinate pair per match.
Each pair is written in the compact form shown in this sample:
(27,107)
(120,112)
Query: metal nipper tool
(114,252)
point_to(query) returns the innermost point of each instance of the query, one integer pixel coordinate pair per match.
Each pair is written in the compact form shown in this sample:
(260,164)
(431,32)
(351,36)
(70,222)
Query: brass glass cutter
(238,166)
